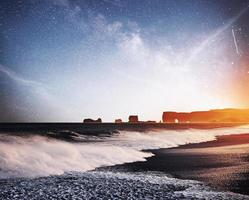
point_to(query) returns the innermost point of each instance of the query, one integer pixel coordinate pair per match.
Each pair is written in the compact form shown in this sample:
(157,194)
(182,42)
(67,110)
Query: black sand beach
(222,164)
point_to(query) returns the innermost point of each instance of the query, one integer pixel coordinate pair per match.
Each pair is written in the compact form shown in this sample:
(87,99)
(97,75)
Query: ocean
(60,163)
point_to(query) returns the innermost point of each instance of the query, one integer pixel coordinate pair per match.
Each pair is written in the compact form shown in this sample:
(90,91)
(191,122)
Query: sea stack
(88,120)
(133,119)
(118,120)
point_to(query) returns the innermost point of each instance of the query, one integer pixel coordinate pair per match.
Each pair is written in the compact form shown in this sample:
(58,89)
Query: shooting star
(212,38)
(235,43)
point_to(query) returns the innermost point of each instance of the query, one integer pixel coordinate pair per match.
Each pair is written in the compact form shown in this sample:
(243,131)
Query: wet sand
(223,164)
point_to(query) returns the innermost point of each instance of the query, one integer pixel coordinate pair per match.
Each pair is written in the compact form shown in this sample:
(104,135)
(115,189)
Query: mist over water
(40,156)
(35,155)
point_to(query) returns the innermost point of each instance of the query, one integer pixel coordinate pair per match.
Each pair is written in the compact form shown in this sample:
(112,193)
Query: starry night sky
(65,60)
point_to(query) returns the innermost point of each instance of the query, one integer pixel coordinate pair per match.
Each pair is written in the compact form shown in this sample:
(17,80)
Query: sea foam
(35,156)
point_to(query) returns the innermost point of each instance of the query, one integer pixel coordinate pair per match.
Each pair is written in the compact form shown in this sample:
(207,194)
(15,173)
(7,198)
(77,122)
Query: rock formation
(219,115)
(133,119)
(118,120)
(88,120)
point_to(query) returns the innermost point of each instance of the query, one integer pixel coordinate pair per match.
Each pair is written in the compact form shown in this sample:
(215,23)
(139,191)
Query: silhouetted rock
(133,119)
(118,120)
(219,115)
(88,120)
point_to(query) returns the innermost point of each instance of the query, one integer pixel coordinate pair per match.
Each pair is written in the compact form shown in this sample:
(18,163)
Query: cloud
(19,79)
(40,93)
(160,70)
(36,87)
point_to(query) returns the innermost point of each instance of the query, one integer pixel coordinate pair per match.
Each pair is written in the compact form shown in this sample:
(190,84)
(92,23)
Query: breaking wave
(43,156)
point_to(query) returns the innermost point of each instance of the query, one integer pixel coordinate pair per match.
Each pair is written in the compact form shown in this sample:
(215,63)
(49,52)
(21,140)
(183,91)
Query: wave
(42,156)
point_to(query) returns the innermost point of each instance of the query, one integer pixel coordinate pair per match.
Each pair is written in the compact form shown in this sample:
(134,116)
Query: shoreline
(222,164)
(89,128)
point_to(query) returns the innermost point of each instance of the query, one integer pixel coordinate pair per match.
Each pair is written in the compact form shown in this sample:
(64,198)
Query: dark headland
(217,115)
